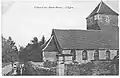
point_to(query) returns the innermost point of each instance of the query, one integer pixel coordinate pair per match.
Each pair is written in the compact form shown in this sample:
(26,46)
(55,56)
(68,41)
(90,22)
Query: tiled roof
(102,8)
(89,39)
(83,39)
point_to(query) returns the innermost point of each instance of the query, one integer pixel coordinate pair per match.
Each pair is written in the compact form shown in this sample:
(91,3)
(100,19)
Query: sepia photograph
(60,37)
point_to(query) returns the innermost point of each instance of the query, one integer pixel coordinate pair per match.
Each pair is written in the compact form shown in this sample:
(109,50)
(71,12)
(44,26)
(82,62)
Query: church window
(96,55)
(84,55)
(74,54)
(107,54)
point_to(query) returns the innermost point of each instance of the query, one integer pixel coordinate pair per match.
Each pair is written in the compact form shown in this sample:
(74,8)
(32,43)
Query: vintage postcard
(60,37)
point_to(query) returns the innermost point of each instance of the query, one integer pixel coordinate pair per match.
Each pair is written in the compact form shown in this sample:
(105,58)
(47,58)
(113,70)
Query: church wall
(90,53)
(50,56)
(79,56)
(102,55)
(66,51)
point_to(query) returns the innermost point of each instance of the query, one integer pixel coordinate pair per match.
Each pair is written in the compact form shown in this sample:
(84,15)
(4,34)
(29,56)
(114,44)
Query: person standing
(18,70)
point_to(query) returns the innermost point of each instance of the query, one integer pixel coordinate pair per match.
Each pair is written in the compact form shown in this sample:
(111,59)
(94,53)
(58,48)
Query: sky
(22,20)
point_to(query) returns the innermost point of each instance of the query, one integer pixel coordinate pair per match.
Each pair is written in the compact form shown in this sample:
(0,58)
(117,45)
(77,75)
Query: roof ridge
(75,30)
(68,29)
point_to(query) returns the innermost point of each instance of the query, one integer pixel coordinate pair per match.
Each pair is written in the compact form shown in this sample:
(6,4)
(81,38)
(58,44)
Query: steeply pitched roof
(102,8)
(51,45)
(80,39)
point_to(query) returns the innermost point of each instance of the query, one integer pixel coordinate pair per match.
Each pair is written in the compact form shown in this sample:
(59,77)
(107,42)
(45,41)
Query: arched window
(96,55)
(108,54)
(74,54)
(84,55)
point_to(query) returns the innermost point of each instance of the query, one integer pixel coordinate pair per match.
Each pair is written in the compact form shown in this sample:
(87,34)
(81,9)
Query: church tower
(102,16)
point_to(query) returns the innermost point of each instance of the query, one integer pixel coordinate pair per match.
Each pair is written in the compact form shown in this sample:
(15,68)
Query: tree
(32,52)
(43,40)
(115,62)
(9,50)
(21,53)
(35,40)
(21,48)
(11,42)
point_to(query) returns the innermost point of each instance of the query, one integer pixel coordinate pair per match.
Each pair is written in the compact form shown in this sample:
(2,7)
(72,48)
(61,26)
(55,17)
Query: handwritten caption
(53,7)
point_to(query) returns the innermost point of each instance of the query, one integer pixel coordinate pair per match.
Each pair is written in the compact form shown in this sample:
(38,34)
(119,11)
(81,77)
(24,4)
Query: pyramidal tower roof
(102,8)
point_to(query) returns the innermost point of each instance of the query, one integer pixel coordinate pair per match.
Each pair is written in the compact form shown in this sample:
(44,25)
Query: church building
(99,42)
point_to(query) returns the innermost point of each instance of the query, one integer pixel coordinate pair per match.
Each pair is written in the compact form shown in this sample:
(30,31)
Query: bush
(91,68)
(50,64)
(79,69)
(33,69)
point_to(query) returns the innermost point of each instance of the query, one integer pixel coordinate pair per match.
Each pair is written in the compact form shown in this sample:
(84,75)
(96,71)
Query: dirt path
(6,69)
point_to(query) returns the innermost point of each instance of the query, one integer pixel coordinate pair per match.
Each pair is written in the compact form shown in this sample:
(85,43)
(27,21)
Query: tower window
(107,20)
(96,17)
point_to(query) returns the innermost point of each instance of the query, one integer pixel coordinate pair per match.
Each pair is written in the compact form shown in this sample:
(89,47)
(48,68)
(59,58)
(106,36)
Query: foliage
(101,68)
(42,40)
(33,69)
(49,64)
(79,69)
(35,40)
(32,52)
(115,61)
(91,68)
(9,50)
